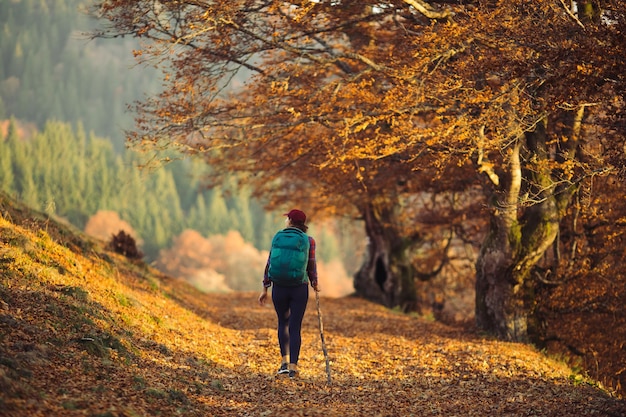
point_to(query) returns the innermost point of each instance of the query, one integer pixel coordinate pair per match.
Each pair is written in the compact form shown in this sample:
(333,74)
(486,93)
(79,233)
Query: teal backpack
(289,257)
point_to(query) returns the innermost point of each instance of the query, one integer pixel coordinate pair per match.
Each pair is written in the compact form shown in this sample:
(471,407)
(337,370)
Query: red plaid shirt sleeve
(311,268)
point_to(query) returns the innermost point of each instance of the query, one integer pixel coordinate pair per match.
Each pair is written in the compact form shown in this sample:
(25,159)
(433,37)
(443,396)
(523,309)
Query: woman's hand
(263,297)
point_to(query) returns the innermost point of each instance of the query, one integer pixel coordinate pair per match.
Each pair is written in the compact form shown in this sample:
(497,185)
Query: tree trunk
(504,290)
(499,309)
(514,244)
(386,275)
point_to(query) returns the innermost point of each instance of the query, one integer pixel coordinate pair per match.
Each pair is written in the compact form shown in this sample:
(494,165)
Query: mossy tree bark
(529,201)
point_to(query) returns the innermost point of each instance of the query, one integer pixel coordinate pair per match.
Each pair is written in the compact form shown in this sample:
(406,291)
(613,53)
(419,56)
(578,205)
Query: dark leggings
(290,304)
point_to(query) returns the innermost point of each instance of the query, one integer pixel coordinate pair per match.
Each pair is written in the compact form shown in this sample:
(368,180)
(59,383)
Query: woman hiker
(290,267)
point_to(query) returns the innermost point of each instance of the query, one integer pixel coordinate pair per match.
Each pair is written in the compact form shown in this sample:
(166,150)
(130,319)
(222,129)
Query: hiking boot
(283,369)
(292,374)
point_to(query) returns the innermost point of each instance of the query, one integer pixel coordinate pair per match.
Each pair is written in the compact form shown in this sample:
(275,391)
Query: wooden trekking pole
(319,317)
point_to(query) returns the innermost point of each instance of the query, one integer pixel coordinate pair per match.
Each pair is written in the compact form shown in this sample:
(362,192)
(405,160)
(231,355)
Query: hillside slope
(85,332)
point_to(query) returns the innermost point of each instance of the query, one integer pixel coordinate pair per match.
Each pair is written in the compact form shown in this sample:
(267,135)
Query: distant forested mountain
(51,70)
(63,103)
(73,175)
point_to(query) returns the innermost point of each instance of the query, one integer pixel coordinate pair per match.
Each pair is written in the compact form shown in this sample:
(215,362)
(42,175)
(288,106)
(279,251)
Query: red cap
(297,216)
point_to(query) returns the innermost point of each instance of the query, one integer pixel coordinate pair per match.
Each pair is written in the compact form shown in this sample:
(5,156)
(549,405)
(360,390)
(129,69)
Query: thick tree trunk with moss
(529,204)
(499,309)
(386,275)
(504,290)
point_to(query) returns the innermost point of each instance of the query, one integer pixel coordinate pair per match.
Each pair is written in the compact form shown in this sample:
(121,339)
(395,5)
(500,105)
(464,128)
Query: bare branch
(426,9)
(571,14)
(483,165)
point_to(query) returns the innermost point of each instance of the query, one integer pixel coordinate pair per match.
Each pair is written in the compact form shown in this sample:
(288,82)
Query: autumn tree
(582,284)
(541,81)
(357,107)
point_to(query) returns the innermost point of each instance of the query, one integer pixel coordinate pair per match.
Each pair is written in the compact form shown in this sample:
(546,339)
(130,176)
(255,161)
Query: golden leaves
(106,333)
(301,12)
(586,69)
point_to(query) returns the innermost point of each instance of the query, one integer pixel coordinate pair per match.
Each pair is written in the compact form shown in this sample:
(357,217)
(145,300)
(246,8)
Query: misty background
(63,112)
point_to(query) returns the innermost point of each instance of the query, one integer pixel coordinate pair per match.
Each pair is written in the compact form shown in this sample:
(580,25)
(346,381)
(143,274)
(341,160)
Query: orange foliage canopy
(344,101)
(353,107)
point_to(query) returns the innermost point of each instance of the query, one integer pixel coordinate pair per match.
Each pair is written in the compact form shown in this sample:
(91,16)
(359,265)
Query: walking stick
(319,316)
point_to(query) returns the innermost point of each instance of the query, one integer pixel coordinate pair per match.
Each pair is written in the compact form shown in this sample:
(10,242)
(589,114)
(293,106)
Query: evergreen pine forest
(63,111)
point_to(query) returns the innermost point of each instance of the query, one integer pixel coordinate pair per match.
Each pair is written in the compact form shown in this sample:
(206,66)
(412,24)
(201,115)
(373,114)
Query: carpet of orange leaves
(83,332)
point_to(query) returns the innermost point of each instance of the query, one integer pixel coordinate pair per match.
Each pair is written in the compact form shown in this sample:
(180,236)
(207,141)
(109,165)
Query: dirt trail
(388,364)
(85,333)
